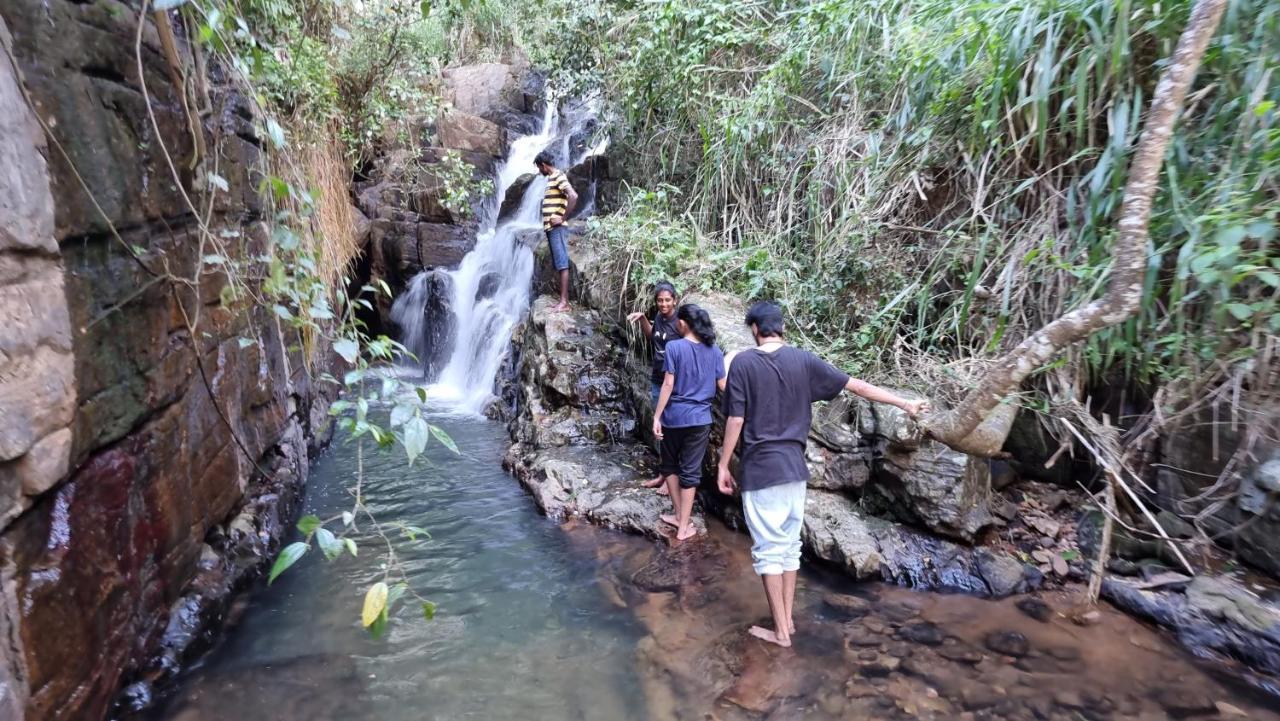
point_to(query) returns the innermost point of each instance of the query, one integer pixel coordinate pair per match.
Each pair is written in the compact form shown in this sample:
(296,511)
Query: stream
(542,621)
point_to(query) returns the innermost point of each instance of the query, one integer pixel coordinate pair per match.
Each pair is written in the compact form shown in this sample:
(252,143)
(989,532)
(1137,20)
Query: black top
(774,392)
(664,329)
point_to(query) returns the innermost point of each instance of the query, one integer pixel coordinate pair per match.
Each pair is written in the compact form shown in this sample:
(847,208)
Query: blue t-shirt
(696,368)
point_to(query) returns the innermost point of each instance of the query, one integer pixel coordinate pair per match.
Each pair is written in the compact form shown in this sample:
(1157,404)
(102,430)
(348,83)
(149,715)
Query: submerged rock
(1212,613)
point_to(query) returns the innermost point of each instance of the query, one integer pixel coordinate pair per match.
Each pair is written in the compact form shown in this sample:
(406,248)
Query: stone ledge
(600,484)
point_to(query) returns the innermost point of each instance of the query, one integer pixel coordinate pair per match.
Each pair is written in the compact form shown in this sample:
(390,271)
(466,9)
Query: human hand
(657,428)
(633,317)
(915,408)
(724,480)
(556,220)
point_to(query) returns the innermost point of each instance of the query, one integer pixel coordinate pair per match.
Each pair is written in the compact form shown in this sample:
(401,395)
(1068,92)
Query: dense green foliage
(947,173)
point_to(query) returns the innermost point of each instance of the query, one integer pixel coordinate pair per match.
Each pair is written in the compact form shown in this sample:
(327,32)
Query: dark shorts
(682,452)
(558,239)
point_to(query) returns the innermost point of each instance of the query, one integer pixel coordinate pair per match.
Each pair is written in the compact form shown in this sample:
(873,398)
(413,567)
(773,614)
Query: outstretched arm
(732,431)
(880,395)
(646,328)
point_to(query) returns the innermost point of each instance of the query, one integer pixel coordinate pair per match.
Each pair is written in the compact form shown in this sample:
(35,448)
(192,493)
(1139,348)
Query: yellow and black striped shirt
(556,200)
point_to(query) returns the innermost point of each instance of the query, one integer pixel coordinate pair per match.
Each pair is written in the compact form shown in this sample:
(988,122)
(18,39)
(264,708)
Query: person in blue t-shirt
(692,371)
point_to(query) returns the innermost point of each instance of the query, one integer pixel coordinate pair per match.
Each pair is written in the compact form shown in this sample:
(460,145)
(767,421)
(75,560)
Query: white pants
(774,517)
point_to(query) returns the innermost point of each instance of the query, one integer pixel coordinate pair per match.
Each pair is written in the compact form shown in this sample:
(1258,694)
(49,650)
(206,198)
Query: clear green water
(522,626)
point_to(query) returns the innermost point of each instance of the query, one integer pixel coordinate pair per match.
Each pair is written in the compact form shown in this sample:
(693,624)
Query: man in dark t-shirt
(767,402)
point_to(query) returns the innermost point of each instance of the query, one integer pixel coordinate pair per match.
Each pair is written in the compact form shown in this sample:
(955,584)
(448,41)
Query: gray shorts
(775,516)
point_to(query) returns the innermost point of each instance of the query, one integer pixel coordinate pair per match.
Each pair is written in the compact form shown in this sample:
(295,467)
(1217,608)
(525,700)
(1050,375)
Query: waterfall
(488,293)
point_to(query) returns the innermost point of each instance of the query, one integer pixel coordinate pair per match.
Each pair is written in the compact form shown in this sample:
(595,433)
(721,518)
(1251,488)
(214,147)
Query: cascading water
(489,291)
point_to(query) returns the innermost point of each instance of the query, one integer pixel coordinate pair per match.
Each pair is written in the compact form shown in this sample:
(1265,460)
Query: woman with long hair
(660,330)
(692,371)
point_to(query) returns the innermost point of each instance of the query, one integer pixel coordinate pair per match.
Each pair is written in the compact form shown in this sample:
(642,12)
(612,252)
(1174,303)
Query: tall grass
(945,174)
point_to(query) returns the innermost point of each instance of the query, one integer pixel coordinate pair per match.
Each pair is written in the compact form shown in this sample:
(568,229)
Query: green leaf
(397,591)
(351,546)
(444,438)
(428,610)
(379,625)
(347,348)
(276,134)
(1240,311)
(422,393)
(375,603)
(352,377)
(329,544)
(401,414)
(415,437)
(245,342)
(282,311)
(287,558)
(308,524)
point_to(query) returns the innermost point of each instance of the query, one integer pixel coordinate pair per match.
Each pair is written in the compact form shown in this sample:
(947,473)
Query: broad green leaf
(375,602)
(415,437)
(308,524)
(275,133)
(351,546)
(329,544)
(287,558)
(444,438)
(1240,311)
(347,348)
(352,377)
(397,591)
(282,311)
(401,414)
(428,610)
(422,393)
(379,625)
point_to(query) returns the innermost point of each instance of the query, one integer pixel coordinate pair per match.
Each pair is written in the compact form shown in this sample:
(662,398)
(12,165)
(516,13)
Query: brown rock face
(463,131)
(121,464)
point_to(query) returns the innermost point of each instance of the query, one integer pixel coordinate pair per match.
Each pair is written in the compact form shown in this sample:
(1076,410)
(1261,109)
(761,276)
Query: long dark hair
(663,285)
(699,322)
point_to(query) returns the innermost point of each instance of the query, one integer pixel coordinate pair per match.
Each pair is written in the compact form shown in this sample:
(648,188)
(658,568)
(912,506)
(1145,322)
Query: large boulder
(597,483)
(485,88)
(836,531)
(458,130)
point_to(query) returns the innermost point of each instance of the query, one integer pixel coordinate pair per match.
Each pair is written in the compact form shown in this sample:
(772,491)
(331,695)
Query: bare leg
(673,491)
(564,290)
(780,633)
(789,598)
(684,509)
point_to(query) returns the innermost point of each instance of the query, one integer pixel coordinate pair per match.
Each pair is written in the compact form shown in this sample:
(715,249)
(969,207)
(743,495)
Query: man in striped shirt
(557,204)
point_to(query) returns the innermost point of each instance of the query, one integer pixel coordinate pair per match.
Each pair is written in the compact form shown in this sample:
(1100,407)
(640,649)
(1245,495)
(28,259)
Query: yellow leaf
(374,602)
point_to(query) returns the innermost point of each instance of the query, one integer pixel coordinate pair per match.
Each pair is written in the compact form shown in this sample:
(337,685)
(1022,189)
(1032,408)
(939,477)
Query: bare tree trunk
(1124,292)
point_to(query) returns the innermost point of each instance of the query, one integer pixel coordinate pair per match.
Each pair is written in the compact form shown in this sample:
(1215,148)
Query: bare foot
(560,307)
(765,634)
(653,483)
(686,534)
(669,519)
(793,628)
(662,490)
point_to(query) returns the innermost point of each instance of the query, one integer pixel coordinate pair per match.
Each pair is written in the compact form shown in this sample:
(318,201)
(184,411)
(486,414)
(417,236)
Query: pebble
(1181,702)
(1068,699)
(846,607)
(960,654)
(899,650)
(1035,608)
(923,633)
(1008,643)
(861,637)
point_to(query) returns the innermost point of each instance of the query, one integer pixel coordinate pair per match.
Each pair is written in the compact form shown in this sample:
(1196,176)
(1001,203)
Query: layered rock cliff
(145,471)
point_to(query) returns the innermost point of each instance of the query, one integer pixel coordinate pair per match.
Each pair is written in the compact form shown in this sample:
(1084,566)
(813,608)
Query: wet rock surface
(575,450)
(156,490)
(885,653)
